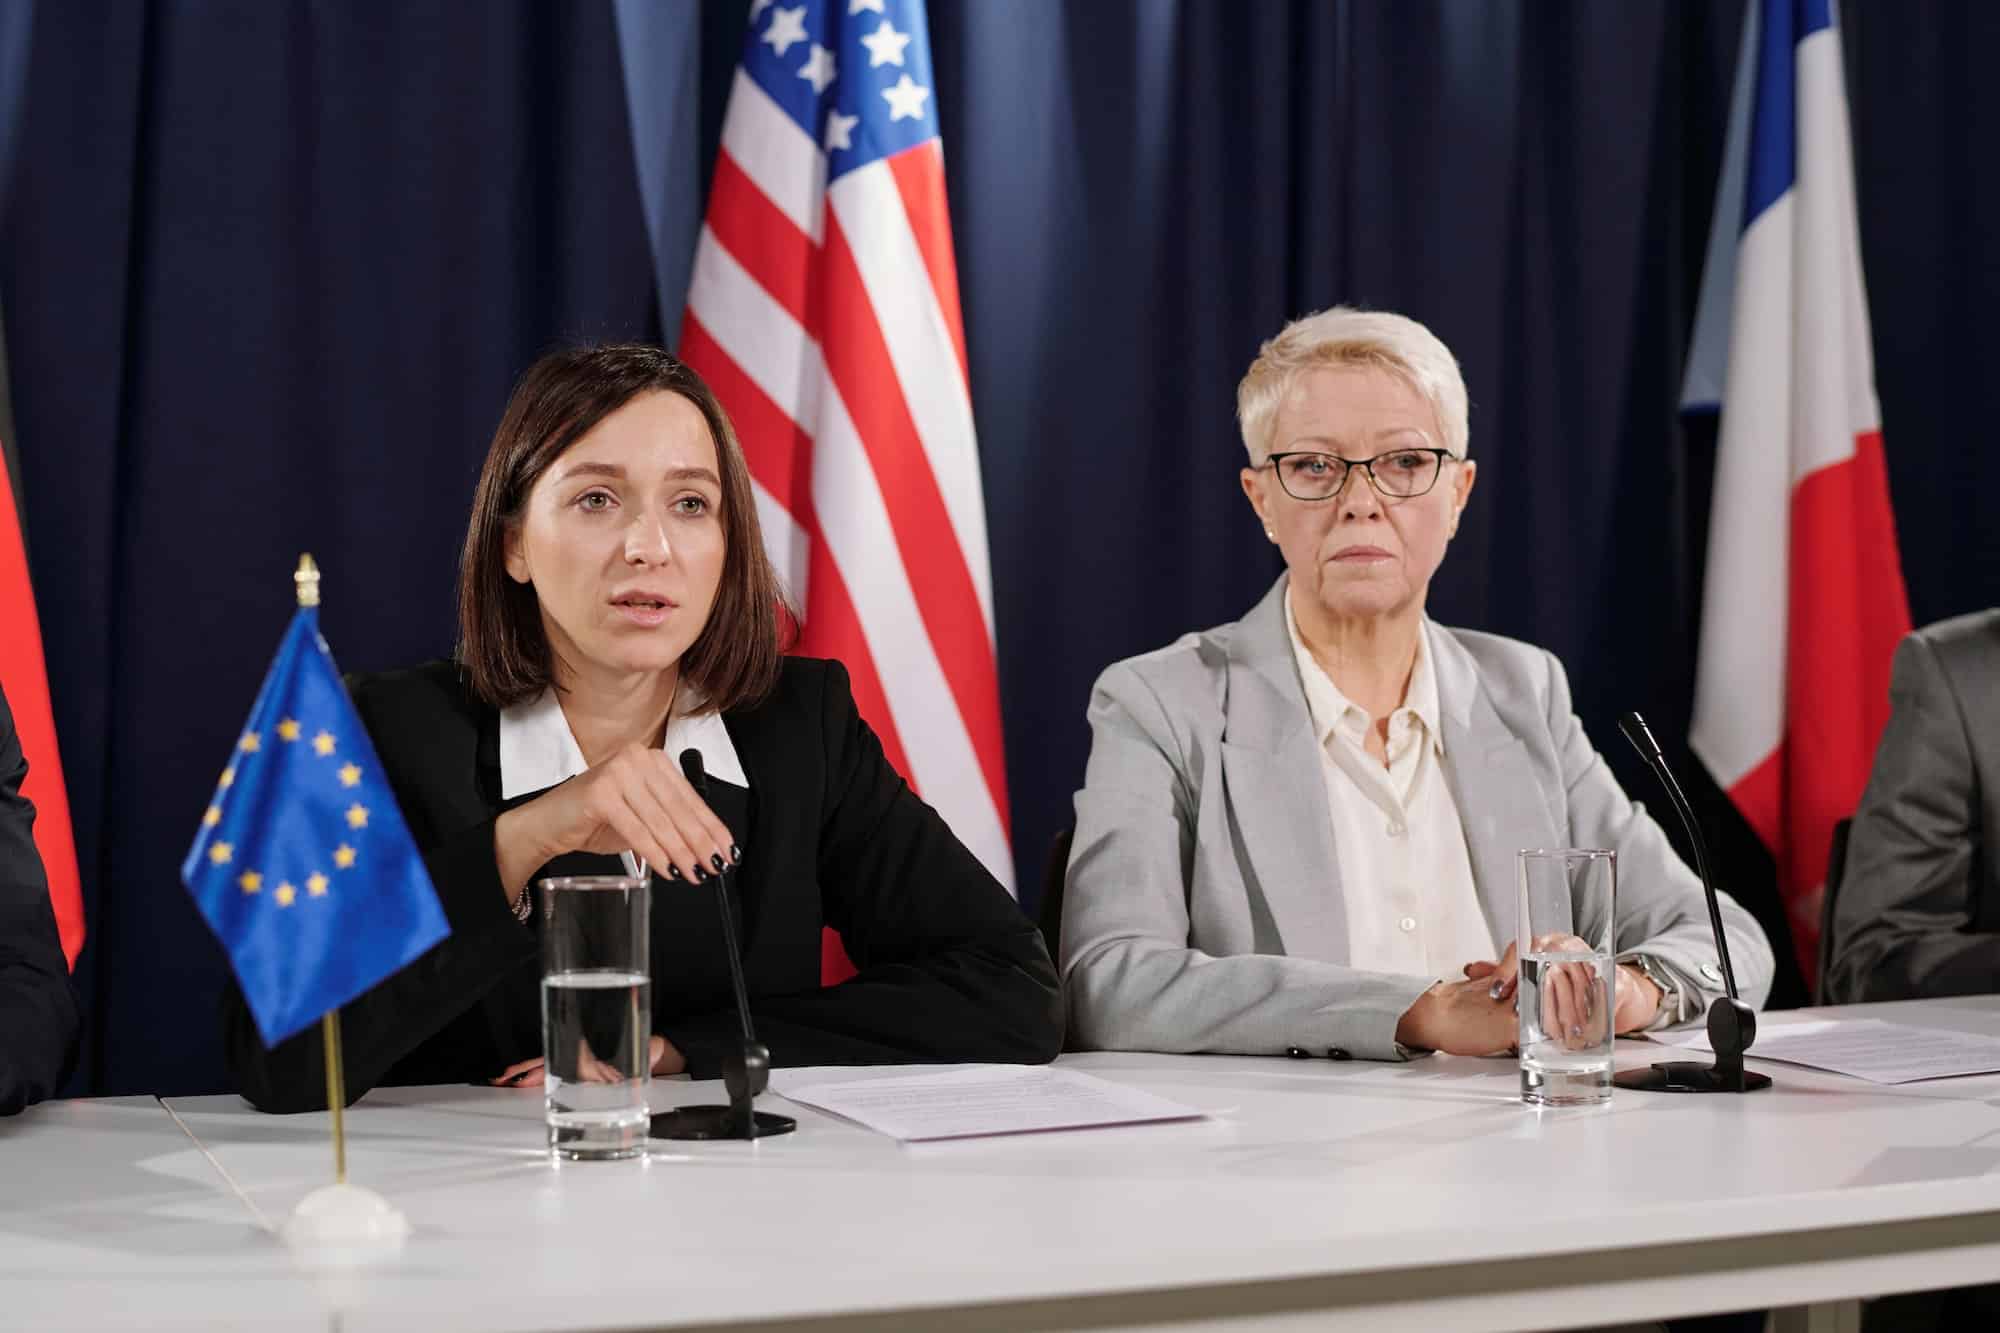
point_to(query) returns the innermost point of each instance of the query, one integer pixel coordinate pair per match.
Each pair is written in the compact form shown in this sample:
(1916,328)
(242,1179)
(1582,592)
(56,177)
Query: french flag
(1803,601)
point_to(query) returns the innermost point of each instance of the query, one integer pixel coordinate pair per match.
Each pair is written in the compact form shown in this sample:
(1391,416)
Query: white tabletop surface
(1418,1195)
(112,1215)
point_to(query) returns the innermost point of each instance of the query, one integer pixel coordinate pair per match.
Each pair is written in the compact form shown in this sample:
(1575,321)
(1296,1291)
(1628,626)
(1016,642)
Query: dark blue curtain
(268,271)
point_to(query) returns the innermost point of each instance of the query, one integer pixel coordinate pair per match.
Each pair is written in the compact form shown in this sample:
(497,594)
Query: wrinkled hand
(1638,1002)
(1572,997)
(1501,976)
(1460,1018)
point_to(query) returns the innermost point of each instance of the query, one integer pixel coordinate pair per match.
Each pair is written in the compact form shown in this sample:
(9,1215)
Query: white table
(1420,1196)
(111,1214)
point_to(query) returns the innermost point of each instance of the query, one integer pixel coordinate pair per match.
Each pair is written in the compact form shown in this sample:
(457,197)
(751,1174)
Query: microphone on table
(1732,1024)
(745,1071)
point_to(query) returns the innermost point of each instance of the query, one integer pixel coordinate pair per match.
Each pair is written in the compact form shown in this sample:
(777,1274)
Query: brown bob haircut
(735,660)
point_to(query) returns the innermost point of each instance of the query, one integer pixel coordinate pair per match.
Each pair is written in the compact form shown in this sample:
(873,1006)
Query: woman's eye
(692,505)
(1409,462)
(593,502)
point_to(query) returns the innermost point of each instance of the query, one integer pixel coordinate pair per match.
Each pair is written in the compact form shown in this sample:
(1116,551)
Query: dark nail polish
(701,874)
(735,853)
(673,871)
(717,862)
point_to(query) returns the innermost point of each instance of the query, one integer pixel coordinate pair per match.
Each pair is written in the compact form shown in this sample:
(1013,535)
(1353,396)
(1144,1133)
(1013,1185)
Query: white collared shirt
(1405,875)
(538,750)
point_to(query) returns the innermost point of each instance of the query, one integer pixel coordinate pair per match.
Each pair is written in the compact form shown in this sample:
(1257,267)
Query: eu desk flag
(303,866)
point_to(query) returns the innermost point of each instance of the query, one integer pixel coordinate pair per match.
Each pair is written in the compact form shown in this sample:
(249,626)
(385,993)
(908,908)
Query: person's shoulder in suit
(1190,672)
(418,707)
(1526,684)
(1967,647)
(426,724)
(802,689)
(1514,666)
(793,715)
(431,695)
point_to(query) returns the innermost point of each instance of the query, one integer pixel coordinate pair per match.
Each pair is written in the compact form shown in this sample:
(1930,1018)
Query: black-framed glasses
(1400,474)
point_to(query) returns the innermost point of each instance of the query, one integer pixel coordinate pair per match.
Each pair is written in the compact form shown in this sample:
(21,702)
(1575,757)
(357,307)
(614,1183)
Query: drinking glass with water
(597,1014)
(1566,997)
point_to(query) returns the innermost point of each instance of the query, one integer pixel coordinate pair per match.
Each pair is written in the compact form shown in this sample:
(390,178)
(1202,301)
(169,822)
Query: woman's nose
(646,542)
(1357,497)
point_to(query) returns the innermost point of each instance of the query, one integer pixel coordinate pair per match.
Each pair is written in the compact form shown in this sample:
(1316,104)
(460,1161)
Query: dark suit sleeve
(38,1017)
(1902,921)
(407,1009)
(949,968)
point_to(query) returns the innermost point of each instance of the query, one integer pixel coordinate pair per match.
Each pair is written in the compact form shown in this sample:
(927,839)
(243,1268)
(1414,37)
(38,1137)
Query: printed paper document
(970,1101)
(1864,1048)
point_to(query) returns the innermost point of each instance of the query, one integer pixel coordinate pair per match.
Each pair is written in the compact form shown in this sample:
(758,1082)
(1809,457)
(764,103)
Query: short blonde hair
(1346,336)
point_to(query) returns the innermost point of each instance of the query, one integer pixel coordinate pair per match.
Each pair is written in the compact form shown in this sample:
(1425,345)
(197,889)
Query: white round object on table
(344,1225)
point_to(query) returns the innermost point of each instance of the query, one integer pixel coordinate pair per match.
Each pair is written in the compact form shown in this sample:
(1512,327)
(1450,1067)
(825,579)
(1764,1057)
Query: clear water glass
(1568,900)
(597,1014)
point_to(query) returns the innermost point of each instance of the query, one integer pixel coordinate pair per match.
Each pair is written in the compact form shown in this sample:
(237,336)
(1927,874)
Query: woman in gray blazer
(1297,831)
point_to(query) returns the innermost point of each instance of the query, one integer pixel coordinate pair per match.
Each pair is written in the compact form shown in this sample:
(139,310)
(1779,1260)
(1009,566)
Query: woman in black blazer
(614,593)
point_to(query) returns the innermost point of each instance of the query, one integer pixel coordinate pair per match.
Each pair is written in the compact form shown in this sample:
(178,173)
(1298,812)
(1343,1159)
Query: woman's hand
(667,1060)
(1638,1002)
(1460,1018)
(521,1074)
(636,799)
(1571,997)
(531,1073)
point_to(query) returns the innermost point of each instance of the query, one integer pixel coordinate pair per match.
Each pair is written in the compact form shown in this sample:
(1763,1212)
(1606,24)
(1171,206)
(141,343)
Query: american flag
(824,311)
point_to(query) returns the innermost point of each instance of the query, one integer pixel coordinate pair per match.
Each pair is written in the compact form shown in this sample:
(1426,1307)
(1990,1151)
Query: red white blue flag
(824,310)
(1803,601)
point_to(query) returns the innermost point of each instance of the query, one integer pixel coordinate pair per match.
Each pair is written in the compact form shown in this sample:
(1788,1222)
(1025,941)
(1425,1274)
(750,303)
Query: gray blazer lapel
(1499,801)
(1275,789)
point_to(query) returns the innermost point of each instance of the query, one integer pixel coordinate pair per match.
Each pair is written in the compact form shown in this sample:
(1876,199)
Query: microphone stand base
(1687,1076)
(719,1122)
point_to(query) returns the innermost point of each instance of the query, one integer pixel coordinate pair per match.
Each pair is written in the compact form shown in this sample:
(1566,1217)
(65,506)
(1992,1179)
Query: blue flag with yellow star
(303,865)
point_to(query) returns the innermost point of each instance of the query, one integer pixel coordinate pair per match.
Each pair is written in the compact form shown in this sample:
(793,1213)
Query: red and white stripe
(1804,600)
(827,319)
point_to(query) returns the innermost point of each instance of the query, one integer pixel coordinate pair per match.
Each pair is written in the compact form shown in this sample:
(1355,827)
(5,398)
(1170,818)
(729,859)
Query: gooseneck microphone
(746,1071)
(1732,1024)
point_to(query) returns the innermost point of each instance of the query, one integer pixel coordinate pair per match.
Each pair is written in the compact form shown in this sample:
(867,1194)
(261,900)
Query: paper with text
(970,1102)
(1864,1048)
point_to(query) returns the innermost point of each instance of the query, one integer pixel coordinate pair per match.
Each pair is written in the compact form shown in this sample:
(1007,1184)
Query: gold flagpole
(336,1091)
(306,580)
